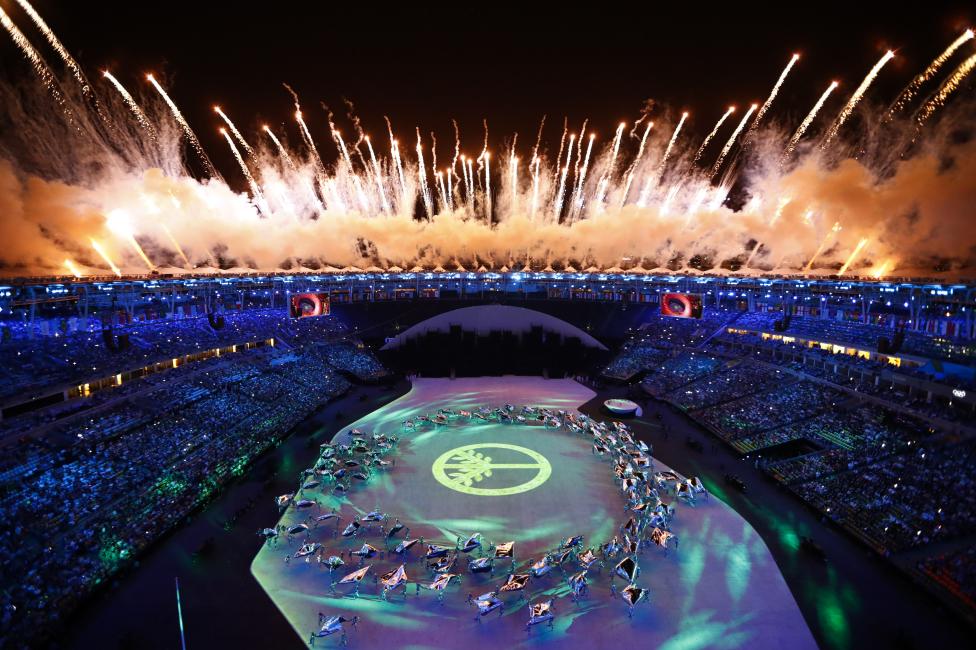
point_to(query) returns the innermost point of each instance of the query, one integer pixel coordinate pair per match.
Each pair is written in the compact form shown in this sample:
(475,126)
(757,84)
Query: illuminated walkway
(720,589)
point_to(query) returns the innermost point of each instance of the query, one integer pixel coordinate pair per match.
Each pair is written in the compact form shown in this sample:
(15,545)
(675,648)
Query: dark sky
(476,60)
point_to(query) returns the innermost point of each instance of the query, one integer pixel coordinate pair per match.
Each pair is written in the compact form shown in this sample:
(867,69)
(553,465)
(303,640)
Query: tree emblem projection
(462,468)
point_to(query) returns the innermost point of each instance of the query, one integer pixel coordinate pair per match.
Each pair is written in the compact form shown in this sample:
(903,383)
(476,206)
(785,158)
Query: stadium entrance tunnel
(490,339)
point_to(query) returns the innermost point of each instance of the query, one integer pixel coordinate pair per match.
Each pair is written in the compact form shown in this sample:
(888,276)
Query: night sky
(511,66)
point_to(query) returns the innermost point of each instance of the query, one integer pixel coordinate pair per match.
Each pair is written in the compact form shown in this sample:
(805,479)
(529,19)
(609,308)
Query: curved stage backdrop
(720,588)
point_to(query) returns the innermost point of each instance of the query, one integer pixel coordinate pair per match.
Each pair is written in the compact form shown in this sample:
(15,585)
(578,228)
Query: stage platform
(719,589)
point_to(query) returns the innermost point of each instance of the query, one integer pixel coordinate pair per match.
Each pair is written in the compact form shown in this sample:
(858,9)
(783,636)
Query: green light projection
(459,468)
(720,589)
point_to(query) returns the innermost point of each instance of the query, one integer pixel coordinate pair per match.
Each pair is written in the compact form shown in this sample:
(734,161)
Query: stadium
(634,390)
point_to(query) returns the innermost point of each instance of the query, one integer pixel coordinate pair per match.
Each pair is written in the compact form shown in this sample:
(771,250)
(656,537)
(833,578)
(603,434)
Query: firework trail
(912,89)
(731,140)
(356,182)
(450,190)
(696,203)
(487,158)
(538,138)
(833,231)
(608,174)
(948,87)
(309,142)
(471,188)
(108,260)
(653,178)
(579,159)
(255,190)
(562,143)
(40,66)
(190,135)
(783,202)
(136,110)
(422,176)
(118,222)
(581,181)
(562,178)
(774,92)
(558,208)
(440,186)
(669,197)
(780,207)
(175,244)
(674,138)
(883,269)
(280,147)
(850,260)
(234,131)
(633,166)
(855,98)
(463,188)
(535,185)
(291,165)
(378,175)
(711,134)
(55,43)
(808,120)
(73,268)
(513,167)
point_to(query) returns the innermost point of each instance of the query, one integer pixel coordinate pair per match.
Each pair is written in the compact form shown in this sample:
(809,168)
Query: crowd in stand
(956,572)
(86,486)
(660,335)
(857,333)
(908,500)
(36,361)
(881,469)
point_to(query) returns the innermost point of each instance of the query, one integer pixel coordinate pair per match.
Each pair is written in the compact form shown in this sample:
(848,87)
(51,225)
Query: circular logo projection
(508,469)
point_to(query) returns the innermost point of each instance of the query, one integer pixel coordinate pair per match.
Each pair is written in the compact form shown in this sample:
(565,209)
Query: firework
(136,110)
(850,260)
(808,120)
(633,166)
(562,144)
(562,177)
(487,158)
(73,268)
(883,269)
(513,170)
(774,92)
(450,189)
(40,66)
(443,189)
(422,176)
(471,181)
(108,260)
(234,131)
(674,138)
(732,138)
(55,43)
(581,180)
(280,147)
(559,195)
(911,90)
(378,175)
(190,135)
(855,98)
(833,231)
(255,190)
(535,184)
(948,87)
(176,245)
(608,174)
(711,134)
